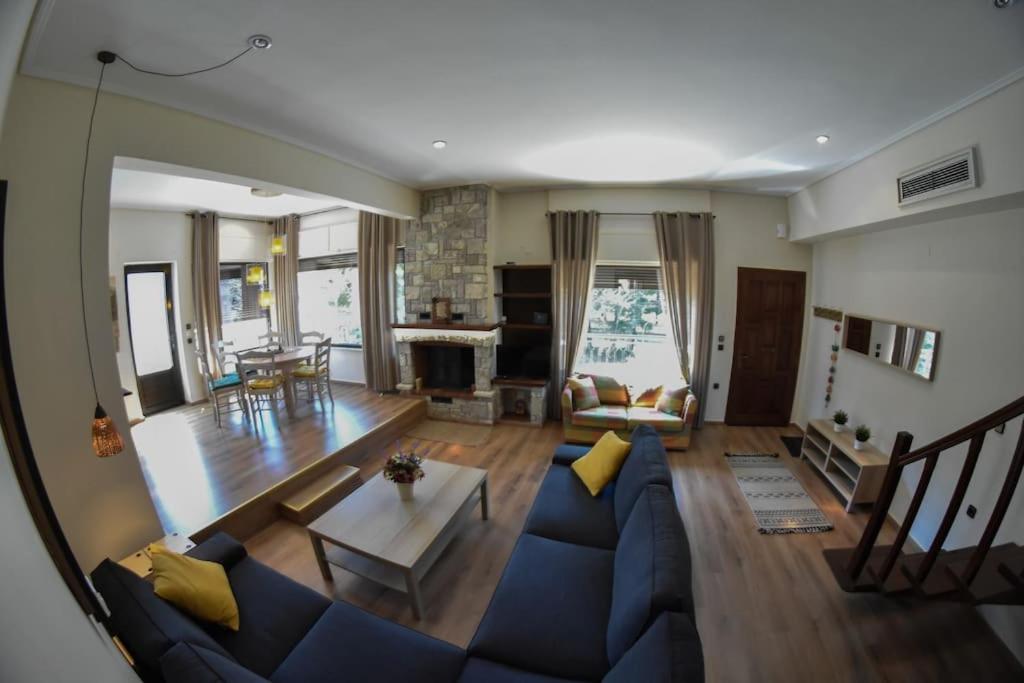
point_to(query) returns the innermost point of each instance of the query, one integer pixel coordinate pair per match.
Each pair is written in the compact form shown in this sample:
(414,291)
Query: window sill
(347,346)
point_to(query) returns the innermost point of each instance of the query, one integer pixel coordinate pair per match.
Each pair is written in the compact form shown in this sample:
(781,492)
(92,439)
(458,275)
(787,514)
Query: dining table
(286,359)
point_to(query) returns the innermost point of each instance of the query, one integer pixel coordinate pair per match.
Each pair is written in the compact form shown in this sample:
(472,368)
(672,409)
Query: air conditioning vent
(949,174)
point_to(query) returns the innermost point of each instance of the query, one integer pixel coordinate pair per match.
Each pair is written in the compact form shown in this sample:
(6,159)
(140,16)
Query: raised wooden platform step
(314,499)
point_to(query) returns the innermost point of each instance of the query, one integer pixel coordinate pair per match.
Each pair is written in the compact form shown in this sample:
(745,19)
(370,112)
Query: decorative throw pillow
(648,398)
(602,463)
(671,400)
(197,587)
(584,393)
(609,391)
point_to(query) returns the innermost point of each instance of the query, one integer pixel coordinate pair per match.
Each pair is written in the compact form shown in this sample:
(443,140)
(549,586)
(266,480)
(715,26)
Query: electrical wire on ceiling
(106,440)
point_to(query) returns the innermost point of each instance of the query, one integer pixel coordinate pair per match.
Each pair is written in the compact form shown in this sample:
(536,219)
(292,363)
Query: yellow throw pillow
(601,465)
(198,587)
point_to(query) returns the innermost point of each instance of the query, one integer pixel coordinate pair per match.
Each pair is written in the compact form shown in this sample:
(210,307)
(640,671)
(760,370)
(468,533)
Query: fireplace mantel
(445,326)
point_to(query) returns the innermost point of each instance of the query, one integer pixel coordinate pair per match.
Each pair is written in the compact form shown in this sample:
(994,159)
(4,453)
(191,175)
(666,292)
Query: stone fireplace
(452,367)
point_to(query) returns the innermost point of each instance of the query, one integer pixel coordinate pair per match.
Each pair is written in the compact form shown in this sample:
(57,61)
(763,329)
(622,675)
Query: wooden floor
(768,608)
(197,472)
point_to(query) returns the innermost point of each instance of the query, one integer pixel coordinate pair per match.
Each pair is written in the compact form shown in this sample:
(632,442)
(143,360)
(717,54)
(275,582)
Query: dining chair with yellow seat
(265,385)
(315,377)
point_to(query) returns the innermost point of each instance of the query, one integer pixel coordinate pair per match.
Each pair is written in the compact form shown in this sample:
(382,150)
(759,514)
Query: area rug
(793,444)
(779,503)
(457,433)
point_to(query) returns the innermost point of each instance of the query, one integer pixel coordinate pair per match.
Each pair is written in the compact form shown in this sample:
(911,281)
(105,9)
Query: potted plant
(861,436)
(405,469)
(839,418)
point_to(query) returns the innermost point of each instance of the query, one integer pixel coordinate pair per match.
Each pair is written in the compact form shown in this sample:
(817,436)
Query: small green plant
(862,433)
(835,348)
(840,417)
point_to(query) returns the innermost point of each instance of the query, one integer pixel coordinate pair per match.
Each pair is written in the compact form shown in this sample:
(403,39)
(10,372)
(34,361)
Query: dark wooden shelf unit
(523,297)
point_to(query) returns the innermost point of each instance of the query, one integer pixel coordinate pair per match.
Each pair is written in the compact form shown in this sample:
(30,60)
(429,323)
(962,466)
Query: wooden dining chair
(265,384)
(227,395)
(315,378)
(308,338)
(271,338)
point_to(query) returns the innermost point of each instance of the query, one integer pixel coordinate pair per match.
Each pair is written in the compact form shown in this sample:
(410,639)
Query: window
(242,319)
(329,298)
(628,330)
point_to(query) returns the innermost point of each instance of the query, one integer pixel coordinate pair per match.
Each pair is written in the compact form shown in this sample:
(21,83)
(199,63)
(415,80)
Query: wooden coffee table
(375,534)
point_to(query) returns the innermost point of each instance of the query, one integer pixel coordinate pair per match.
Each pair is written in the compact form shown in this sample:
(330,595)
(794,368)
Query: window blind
(348,260)
(239,300)
(634,277)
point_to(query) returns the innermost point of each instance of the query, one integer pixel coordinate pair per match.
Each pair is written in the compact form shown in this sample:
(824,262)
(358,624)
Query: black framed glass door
(149,302)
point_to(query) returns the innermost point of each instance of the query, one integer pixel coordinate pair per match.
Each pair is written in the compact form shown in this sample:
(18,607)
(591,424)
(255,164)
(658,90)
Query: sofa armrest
(689,413)
(220,548)
(567,408)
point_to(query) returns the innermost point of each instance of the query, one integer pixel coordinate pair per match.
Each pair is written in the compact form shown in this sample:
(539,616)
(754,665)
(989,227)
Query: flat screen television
(523,361)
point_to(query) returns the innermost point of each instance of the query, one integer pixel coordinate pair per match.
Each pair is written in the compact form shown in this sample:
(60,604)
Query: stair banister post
(860,556)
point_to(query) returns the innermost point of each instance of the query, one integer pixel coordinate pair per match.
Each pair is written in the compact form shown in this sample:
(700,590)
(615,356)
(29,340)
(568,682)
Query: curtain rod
(330,208)
(635,213)
(236,217)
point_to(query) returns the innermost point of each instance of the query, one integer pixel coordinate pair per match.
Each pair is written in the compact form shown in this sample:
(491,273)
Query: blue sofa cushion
(549,613)
(568,453)
(485,671)
(668,652)
(647,464)
(187,663)
(564,510)
(146,624)
(348,644)
(651,568)
(274,614)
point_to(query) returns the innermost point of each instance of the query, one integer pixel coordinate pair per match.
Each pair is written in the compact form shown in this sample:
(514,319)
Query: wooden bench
(312,500)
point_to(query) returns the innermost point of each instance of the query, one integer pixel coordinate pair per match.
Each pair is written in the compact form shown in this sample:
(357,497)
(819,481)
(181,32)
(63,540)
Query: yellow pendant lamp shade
(266,298)
(277,246)
(105,439)
(254,274)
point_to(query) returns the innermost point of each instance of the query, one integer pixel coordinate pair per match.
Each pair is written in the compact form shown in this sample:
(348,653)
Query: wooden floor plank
(768,608)
(197,472)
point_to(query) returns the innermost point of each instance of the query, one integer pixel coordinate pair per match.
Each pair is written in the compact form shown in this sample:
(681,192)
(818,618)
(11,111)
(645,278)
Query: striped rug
(779,502)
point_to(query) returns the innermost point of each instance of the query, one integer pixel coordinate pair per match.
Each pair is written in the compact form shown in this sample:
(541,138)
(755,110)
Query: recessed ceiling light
(439,144)
(259,42)
(264,193)
(822,139)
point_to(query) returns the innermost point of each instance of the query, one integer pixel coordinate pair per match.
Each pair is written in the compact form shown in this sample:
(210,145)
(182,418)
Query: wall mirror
(905,347)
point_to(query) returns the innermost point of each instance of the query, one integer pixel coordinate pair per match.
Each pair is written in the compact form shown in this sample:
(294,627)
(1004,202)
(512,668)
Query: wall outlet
(715,385)
(971,511)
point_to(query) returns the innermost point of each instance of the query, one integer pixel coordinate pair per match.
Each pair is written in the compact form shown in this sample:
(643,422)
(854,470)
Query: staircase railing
(850,573)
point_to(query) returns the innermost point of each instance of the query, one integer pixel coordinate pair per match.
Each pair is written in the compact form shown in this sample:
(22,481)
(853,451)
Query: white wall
(104,505)
(155,237)
(744,236)
(863,196)
(36,609)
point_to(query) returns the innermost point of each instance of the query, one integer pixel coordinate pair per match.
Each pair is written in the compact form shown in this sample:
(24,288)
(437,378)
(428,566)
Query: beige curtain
(378,236)
(286,280)
(686,252)
(573,257)
(206,286)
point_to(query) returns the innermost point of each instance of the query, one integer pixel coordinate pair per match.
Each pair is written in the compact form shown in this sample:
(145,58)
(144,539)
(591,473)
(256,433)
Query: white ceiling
(735,92)
(143,189)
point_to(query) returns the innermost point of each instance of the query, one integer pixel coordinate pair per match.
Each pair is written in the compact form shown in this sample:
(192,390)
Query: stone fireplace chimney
(448,254)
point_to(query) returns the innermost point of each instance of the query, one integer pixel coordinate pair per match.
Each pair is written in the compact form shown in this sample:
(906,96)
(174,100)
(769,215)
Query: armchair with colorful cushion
(670,411)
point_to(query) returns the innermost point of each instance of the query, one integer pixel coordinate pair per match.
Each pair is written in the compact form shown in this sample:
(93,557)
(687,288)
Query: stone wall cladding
(446,253)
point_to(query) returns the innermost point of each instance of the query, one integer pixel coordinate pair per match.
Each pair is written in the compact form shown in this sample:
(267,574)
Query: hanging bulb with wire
(106,441)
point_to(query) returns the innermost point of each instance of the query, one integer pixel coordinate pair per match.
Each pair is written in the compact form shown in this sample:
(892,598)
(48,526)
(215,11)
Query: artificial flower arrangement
(405,469)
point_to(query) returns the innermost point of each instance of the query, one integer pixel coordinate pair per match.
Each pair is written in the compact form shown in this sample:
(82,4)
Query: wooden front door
(766,350)
(150,305)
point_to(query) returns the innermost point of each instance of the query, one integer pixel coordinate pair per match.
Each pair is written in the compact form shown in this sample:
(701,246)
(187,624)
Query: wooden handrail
(901,457)
(990,421)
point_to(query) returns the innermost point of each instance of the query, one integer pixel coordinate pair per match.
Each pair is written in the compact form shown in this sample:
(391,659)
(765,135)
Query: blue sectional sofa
(597,589)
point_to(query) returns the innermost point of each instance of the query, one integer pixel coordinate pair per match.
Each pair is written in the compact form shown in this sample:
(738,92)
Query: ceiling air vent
(949,174)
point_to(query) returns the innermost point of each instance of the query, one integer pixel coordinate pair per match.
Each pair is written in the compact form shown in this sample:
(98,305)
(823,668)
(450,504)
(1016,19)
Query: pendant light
(277,246)
(266,298)
(254,274)
(106,441)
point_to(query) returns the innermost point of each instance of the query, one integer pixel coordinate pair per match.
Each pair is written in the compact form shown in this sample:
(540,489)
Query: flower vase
(858,445)
(405,490)
(836,427)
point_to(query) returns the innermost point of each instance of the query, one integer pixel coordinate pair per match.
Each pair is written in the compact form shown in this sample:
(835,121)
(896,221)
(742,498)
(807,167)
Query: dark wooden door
(766,350)
(150,305)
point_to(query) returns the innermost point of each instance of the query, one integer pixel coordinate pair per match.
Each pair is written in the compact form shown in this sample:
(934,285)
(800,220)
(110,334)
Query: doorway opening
(149,303)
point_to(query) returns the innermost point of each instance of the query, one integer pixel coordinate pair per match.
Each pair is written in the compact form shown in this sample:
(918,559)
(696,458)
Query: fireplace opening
(444,365)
